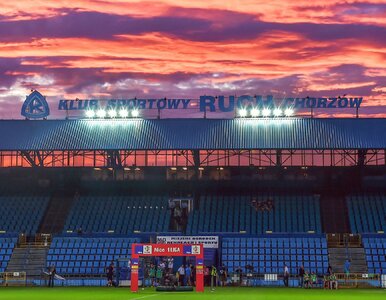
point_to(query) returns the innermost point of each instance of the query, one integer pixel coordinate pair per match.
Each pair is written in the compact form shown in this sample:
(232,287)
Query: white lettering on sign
(174,249)
(207,241)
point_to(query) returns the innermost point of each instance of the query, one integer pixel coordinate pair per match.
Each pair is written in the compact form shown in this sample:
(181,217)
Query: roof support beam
(361,157)
(278,158)
(114,159)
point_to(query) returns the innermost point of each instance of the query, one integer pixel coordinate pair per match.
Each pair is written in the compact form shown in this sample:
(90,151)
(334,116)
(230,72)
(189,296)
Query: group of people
(163,274)
(309,280)
(266,205)
(214,277)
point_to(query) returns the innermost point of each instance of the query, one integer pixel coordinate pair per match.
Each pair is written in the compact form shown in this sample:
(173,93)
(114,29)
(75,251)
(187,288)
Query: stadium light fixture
(243,112)
(101,113)
(123,113)
(266,112)
(135,113)
(90,113)
(277,112)
(289,112)
(255,112)
(112,113)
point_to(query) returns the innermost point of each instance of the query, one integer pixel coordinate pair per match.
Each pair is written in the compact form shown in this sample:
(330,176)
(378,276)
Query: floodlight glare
(255,112)
(101,113)
(90,113)
(277,112)
(289,112)
(243,112)
(112,113)
(123,113)
(266,112)
(135,113)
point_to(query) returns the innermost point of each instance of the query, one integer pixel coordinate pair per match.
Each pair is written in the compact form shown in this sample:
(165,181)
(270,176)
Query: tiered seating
(367,213)
(122,214)
(235,213)
(268,255)
(375,249)
(6,247)
(87,256)
(21,214)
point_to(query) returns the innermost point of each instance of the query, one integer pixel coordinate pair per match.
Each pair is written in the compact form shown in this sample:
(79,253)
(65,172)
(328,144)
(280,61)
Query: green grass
(77,293)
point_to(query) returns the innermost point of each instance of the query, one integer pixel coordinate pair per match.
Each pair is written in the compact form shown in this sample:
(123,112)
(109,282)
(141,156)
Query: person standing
(159,274)
(286,275)
(213,281)
(347,269)
(193,276)
(52,273)
(110,273)
(170,264)
(223,275)
(188,273)
(181,275)
(301,276)
(206,276)
(152,274)
(329,270)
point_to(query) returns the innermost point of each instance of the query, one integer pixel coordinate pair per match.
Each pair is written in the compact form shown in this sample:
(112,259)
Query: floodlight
(90,113)
(255,112)
(277,112)
(266,112)
(135,113)
(289,112)
(123,113)
(243,112)
(101,113)
(112,113)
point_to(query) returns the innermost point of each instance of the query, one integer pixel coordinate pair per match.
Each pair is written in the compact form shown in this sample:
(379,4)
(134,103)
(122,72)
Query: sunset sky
(123,49)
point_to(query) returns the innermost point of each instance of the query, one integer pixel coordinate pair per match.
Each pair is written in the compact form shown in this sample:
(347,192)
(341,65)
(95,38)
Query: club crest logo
(35,106)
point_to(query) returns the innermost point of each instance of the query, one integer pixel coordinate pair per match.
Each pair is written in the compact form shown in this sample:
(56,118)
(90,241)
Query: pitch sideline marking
(143,297)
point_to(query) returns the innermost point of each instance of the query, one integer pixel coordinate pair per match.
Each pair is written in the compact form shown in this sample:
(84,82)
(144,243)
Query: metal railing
(357,280)
(343,240)
(13,279)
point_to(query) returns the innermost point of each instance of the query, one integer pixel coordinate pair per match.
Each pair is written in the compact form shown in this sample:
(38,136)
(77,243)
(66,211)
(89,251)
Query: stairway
(56,213)
(334,213)
(29,259)
(338,256)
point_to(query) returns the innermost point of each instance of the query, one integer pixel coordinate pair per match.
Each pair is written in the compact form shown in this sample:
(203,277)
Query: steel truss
(192,158)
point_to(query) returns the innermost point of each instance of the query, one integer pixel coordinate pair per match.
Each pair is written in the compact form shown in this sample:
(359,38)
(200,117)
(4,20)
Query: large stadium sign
(207,241)
(211,103)
(36,107)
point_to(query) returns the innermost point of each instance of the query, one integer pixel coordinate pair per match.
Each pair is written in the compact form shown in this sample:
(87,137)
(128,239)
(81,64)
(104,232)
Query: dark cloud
(199,27)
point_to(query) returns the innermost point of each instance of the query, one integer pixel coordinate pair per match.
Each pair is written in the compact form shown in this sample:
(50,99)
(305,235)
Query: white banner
(207,241)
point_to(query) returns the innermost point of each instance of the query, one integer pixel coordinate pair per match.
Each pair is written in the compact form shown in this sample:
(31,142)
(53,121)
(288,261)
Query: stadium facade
(271,191)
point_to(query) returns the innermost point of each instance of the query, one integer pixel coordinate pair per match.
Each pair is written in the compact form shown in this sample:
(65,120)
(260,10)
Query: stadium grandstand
(270,193)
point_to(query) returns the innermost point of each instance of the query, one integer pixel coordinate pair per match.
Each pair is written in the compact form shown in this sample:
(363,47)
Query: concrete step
(29,260)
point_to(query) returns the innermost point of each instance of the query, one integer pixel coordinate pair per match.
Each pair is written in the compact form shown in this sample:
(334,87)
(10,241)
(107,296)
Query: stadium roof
(184,134)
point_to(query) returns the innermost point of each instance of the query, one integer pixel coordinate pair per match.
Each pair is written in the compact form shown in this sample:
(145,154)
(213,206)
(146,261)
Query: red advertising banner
(167,250)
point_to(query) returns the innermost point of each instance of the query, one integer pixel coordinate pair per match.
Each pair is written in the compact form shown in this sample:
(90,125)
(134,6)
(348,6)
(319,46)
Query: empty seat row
(21,214)
(225,213)
(375,256)
(121,214)
(7,244)
(81,260)
(272,259)
(367,212)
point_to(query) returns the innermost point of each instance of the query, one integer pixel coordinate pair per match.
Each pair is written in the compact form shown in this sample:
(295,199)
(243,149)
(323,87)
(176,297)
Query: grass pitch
(78,293)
